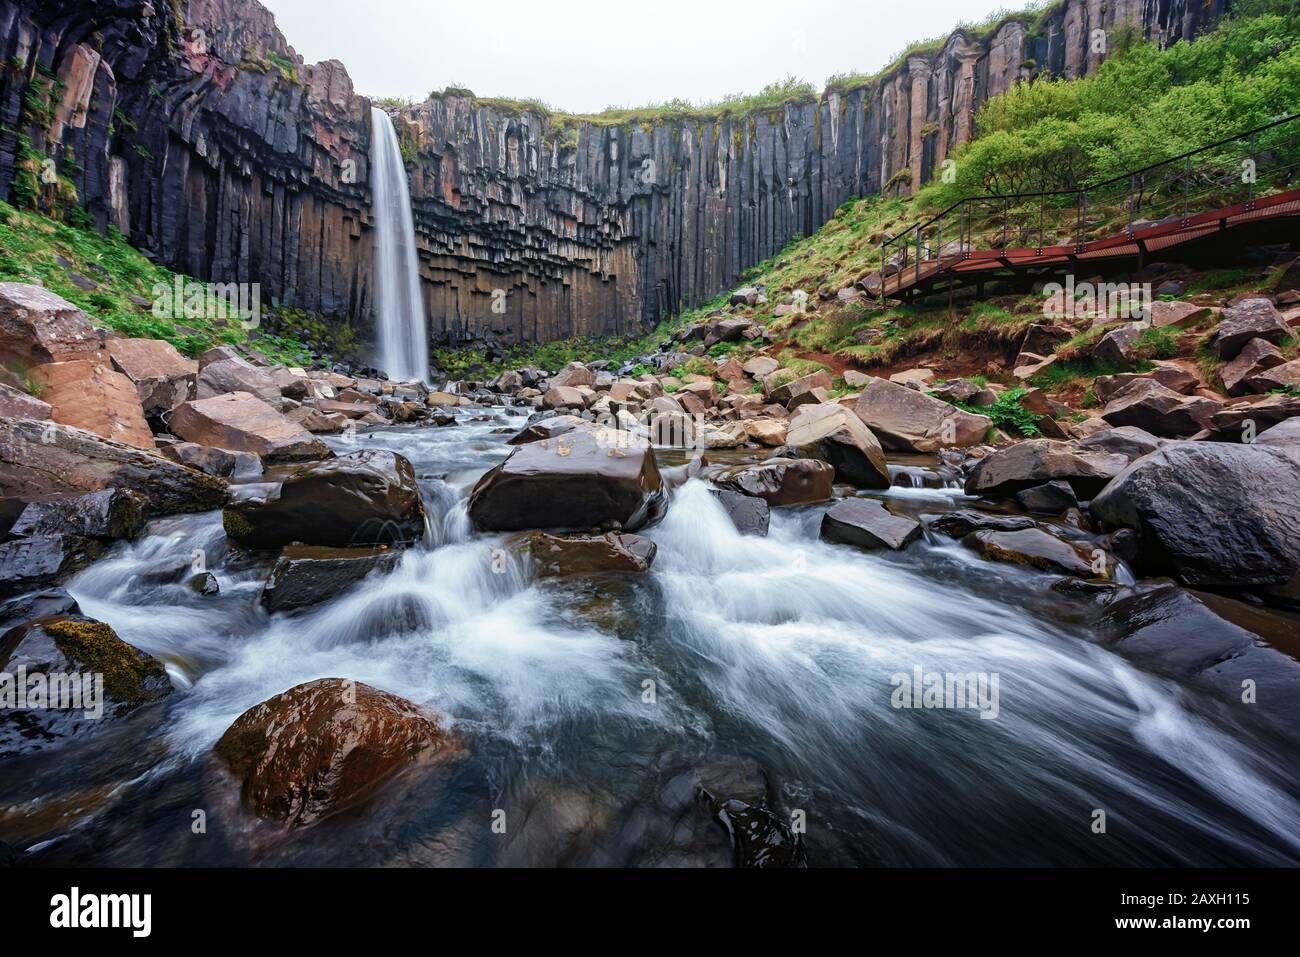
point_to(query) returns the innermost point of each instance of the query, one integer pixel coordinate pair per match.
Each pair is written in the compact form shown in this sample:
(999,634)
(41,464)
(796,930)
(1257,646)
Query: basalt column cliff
(195,129)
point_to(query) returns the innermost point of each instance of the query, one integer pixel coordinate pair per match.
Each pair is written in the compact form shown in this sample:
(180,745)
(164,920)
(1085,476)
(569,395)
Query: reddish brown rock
(327,745)
(240,422)
(19,405)
(780,481)
(910,421)
(36,327)
(162,376)
(87,395)
(562,555)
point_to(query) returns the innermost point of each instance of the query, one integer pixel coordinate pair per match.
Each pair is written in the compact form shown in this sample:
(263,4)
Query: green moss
(95,646)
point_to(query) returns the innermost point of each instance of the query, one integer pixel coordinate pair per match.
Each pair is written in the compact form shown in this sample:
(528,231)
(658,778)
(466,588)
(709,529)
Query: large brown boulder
(587,478)
(326,745)
(1212,513)
(36,327)
(87,395)
(1148,405)
(240,422)
(1248,319)
(780,481)
(162,377)
(367,497)
(1036,461)
(554,556)
(910,421)
(834,434)
(42,460)
(573,375)
(87,652)
(866,523)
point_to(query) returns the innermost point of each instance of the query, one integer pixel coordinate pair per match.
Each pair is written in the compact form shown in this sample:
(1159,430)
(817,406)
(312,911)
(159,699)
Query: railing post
(883,246)
(918,254)
(1042,213)
(1132,200)
(1006,223)
(1187,185)
(1250,192)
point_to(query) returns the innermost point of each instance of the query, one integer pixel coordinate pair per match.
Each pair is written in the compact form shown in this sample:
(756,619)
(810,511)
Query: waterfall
(403,337)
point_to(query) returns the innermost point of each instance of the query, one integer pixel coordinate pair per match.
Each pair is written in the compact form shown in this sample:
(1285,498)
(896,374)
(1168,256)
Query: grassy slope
(32,244)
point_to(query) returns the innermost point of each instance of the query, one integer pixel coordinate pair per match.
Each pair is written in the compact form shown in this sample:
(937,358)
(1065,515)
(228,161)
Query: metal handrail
(912,236)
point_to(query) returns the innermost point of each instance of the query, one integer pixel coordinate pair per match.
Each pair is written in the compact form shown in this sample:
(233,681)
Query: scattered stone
(563,555)
(1284,376)
(760,367)
(241,422)
(15,404)
(306,575)
(1258,355)
(866,523)
(87,395)
(1148,405)
(36,327)
(213,461)
(1249,319)
(573,375)
(108,514)
(780,481)
(748,513)
(367,497)
(1038,548)
(910,421)
(783,394)
(1050,498)
(163,378)
(1037,461)
(836,435)
(222,371)
(587,478)
(1127,440)
(1180,315)
(962,522)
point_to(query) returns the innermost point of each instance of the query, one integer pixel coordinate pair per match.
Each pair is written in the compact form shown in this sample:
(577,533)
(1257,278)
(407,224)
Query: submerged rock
(587,478)
(561,555)
(1038,548)
(367,497)
(305,575)
(866,523)
(750,515)
(326,745)
(962,522)
(62,646)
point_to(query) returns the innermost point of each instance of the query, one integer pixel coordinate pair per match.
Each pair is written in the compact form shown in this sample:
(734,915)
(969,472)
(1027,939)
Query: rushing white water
(403,337)
(782,648)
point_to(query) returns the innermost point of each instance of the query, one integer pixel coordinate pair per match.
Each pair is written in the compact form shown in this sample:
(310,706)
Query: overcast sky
(585,55)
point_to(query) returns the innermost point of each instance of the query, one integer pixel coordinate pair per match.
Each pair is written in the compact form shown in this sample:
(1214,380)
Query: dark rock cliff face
(226,158)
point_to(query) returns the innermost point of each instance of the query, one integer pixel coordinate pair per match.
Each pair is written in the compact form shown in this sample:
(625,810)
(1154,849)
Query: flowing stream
(775,652)
(403,341)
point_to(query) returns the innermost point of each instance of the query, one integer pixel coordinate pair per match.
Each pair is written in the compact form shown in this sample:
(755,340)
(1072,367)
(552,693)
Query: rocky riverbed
(591,616)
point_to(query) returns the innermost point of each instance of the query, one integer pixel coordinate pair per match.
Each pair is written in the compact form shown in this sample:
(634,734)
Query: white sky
(585,55)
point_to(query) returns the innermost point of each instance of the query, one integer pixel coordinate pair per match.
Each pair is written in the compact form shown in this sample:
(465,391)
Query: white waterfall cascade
(403,333)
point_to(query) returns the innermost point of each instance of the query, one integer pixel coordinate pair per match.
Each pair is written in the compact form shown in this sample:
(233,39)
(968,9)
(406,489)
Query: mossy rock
(131,677)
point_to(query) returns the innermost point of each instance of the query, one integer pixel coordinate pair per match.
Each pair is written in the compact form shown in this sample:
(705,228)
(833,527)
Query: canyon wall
(223,156)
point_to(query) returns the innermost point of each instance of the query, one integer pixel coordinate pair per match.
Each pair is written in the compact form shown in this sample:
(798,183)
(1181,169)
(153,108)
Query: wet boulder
(325,746)
(41,460)
(1214,641)
(213,461)
(1127,440)
(101,678)
(1148,405)
(736,792)
(1038,461)
(367,497)
(39,604)
(907,420)
(962,522)
(1050,498)
(780,481)
(588,478)
(554,556)
(37,326)
(305,575)
(1039,548)
(240,422)
(750,515)
(85,394)
(866,523)
(108,514)
(1249,319)
(834,434)
(1214,514)
(42,560)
